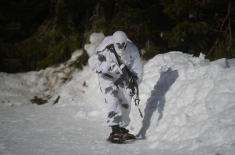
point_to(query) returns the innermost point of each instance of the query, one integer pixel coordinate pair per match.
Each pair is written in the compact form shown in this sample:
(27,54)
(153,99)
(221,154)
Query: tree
(200,26)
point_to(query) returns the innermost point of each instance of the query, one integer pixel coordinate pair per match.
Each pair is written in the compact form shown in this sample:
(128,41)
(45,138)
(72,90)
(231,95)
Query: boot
(126,135)
(115,135)
(120,134)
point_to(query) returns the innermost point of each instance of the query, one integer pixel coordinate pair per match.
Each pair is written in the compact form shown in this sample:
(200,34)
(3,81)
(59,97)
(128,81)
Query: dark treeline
(35,34)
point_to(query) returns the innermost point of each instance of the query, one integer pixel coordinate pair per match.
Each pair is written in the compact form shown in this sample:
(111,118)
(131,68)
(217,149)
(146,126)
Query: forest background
(35,34)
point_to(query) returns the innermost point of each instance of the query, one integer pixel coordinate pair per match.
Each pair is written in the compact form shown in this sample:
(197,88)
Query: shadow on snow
(156,101)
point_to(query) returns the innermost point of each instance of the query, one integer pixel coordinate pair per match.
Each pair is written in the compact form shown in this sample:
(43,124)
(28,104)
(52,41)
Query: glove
(130,76)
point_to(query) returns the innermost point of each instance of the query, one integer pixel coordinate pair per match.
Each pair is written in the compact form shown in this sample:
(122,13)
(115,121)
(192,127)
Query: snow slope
(188,105)
(20,88)
(188,102)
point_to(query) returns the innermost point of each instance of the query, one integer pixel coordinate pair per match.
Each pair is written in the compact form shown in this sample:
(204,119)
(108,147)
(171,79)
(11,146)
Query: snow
(194,100)
(95,39)
(188,106)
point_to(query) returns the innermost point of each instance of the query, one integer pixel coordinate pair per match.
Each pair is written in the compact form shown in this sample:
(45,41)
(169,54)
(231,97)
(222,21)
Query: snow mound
(23,88)
(188,102)
(95,39)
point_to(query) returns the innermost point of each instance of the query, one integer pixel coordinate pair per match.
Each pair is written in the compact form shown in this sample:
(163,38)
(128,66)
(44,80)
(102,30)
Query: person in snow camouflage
(115,56)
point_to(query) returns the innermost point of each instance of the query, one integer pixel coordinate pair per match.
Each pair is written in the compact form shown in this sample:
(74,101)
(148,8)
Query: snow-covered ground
(188,104)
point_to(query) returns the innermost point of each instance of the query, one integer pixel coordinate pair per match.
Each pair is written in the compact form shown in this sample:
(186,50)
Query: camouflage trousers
(117,103)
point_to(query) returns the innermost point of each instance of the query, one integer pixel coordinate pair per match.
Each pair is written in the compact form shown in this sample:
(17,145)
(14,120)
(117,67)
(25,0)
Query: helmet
(120,39)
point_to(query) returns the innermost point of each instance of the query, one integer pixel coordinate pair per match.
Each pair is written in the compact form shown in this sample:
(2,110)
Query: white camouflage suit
(104,62)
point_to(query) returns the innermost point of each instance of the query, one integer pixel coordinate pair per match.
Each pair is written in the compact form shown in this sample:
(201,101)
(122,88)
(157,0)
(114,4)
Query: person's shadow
(156,101)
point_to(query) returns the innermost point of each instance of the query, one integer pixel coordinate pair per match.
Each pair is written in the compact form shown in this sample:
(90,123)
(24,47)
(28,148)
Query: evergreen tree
(35,34)
(200,26)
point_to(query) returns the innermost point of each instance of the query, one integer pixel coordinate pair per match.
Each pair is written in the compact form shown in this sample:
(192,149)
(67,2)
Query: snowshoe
(120,135)
(128,136)
(115,137)
(120,138)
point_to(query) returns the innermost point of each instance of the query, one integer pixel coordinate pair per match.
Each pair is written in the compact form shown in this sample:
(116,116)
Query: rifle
(129,77)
